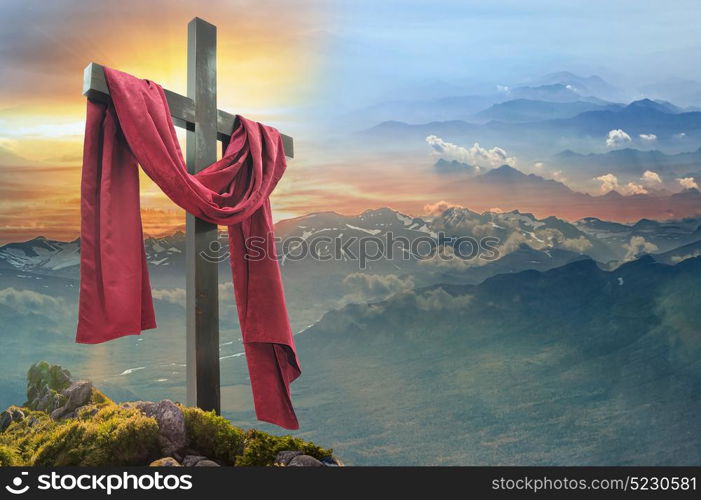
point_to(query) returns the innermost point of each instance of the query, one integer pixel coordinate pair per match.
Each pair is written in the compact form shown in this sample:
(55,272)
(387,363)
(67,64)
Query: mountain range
(574,365)
(541,356)
(586,131)
(511,189)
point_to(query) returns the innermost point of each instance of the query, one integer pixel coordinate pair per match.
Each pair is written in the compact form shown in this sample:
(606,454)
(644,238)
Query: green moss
(261,448)
(212,435)
(215,437)
(98,398)
(8,456)
(112,436)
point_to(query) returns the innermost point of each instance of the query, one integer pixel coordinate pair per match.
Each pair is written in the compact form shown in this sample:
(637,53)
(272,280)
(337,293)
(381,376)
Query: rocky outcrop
(74,396)
(66,422)
(171,423)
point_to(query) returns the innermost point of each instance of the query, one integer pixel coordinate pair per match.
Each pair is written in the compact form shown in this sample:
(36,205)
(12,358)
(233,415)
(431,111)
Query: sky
(302,66)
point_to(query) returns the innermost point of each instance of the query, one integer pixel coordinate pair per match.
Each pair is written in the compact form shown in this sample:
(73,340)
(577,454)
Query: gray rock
(12,414)
(331,462)
(76,395)
(284,457)
(191,460)
(171,423)
(47,400)
(165,462)
(144,407)
(207,463)
(304,461)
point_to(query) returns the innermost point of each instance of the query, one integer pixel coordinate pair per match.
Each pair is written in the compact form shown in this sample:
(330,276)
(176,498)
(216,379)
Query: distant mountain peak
(654,105)
(505,172)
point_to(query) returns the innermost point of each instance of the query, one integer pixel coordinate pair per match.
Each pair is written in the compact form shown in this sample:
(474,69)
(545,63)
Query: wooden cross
(205,124)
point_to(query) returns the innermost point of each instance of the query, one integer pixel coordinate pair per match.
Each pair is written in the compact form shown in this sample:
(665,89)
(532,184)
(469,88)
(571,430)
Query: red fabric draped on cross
(136,128)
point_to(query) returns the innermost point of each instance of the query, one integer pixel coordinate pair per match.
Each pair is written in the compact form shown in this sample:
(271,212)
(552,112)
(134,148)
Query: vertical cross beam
(202,282)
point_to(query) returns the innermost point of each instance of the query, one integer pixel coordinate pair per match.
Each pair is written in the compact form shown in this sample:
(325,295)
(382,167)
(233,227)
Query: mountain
(515,229)
(587,130)
(630,160)
(573,366)
(654,105)
(56,257)
(556,92)
(592,85)
(679,254)
(650,236)
(527,110)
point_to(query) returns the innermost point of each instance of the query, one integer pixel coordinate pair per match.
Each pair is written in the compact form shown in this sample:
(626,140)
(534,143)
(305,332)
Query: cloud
(648,137)
(27,301)
(439,207)
(171,295)
(679,258)
(633,188)
(680,135)
(440,300)
(539,165)
(650,177)
(365,287)
(609,182)
(638,246)
(476,156)
(177,295)
(688,183)
(617,137)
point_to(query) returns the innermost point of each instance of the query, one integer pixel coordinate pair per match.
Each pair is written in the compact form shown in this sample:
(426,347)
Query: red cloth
(115,293)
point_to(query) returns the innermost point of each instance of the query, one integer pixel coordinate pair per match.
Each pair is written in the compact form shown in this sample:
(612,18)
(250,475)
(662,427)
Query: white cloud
(617,137)
(648,137)
(539,165)
(440,300)
(439,207)
(476,156)
(633,188)
(609,182)
(504,89)
(638,246)
(365,287)
(680,135)
(171,295)
(688,183)
(27,301)
(177,295)
(650,177)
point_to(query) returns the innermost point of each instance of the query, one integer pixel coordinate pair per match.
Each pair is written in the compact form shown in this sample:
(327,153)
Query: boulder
(46,400)
(43,378)
(331,462)
(165,462)
(171,422)
(191,460)
(284,457)
(12,414)
(304,461)
(207,463)
(76,395)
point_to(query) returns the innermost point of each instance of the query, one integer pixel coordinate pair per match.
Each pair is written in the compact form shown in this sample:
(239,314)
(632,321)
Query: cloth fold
(136,128)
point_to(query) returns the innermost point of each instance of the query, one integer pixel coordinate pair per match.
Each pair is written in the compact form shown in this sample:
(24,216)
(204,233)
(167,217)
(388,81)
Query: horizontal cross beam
(182,108)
